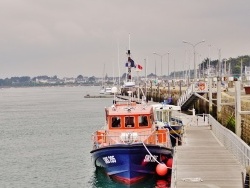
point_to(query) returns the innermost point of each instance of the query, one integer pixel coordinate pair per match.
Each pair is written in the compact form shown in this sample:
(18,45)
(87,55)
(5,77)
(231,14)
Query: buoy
(161,169)
(169,163)
(161,183)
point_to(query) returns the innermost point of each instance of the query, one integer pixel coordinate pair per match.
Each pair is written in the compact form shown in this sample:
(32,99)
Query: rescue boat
(131,146)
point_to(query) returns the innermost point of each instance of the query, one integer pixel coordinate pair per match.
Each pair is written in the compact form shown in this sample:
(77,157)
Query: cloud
(69,38)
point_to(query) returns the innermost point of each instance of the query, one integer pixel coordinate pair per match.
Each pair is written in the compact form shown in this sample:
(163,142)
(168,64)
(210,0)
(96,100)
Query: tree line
(235,64)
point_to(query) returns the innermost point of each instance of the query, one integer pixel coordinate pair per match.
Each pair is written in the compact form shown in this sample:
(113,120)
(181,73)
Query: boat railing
(105,138)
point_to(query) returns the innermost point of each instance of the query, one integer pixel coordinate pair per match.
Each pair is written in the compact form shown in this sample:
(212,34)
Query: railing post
(238,109)
(246,184)
(210,95)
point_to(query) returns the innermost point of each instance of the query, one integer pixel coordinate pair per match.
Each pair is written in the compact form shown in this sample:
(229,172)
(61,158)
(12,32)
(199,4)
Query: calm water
(45,138)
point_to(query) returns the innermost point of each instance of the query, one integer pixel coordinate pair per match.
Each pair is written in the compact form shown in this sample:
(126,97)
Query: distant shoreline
(47,85)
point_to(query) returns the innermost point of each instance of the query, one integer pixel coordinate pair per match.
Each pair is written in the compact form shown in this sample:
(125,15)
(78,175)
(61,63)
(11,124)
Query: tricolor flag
(130,63)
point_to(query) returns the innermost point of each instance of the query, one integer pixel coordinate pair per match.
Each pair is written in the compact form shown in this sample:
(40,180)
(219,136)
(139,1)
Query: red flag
(139,67)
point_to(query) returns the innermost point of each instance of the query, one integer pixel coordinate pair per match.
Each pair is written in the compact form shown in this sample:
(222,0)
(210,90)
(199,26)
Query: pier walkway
(209,157)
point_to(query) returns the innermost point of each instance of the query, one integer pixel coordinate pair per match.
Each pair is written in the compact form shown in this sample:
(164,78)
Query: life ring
(201,86)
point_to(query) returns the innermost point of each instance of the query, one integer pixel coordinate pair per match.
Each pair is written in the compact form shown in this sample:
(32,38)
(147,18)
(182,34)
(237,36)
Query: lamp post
(161,60)
(194,45)
(168,64)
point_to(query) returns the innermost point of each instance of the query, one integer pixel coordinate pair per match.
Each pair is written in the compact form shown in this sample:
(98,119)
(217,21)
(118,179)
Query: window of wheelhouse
(159,115)
(143,120)
(116,121)
(165,116)
(129,121)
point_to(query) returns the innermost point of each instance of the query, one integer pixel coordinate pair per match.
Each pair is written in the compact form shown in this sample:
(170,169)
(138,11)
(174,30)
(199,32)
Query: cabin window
(143,120)
(129,121)
(116,121)
(164,116)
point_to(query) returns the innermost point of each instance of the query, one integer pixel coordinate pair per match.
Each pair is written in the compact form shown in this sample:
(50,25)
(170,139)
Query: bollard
(193,112)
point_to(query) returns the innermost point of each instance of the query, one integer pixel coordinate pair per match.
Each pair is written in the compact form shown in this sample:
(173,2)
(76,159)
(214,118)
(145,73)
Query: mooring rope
(153,156)
(175,133)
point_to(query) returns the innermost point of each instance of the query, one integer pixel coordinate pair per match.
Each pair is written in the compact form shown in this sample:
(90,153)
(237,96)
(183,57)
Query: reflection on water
(101,180)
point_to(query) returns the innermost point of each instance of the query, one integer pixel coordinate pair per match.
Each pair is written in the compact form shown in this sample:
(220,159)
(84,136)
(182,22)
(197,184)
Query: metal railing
(105,138)
(185,96)
(231,141)
(193,88)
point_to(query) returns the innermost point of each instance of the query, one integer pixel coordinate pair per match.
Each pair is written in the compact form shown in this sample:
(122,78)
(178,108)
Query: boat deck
(202,161)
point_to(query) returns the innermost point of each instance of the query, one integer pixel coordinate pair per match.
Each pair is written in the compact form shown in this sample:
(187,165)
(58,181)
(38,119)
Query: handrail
(199,87)
(185,96)
(231,141)
(109,138)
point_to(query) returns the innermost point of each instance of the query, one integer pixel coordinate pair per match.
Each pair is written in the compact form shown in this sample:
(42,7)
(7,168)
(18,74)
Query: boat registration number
(149,158)
(109,159)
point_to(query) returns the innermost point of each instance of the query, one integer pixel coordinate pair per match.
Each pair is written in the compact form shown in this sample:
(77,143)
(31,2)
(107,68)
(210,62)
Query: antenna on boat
(130,96)
(114,91)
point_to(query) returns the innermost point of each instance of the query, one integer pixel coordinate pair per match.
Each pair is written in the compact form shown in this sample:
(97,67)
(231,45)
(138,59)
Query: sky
(68,38)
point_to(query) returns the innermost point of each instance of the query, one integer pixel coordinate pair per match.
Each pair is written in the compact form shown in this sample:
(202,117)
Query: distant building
(43,81)
(69,80)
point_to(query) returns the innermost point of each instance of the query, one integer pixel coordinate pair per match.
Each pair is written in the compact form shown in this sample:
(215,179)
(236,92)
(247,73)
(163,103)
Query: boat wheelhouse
(165,117)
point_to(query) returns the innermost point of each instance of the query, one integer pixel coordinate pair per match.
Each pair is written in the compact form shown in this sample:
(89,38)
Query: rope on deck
(153,156)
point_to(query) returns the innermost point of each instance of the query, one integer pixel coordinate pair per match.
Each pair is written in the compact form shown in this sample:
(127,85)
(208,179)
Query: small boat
(106,90)
(164,117)
(102,90)
(129,84)
(131,147)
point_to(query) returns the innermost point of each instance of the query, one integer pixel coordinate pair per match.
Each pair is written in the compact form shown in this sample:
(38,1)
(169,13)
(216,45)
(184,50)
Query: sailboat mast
(103,75)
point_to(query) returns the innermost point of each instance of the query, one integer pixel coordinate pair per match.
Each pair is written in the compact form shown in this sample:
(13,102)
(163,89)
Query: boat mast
(129,78)
(103,76)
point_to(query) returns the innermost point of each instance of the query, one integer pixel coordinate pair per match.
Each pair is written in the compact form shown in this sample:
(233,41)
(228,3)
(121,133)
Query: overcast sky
(78,37)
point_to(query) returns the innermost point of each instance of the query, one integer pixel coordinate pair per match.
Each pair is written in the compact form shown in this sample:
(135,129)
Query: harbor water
(45,138)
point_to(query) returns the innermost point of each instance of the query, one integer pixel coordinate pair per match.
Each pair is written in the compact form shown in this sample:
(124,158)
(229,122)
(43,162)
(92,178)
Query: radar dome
(114,90)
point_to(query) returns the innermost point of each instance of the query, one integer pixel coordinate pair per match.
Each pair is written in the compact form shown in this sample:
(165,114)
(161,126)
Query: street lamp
(194,45)
(168,64)
(161,59)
